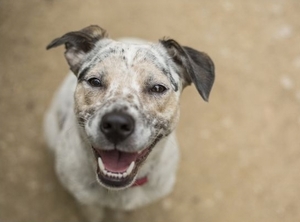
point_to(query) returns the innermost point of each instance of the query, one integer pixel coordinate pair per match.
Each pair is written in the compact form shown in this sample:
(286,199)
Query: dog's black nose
(117,126)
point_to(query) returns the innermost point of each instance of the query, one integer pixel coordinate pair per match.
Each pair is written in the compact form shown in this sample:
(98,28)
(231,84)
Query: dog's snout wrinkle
(117,126)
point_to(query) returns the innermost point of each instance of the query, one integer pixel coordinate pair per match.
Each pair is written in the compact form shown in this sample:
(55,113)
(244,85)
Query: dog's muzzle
(116,168)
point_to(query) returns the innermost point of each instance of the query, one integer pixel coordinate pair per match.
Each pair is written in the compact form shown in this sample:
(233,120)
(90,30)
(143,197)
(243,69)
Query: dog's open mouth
(118,169)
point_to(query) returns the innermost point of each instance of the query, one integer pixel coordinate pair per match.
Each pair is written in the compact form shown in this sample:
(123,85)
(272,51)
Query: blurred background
(240,154)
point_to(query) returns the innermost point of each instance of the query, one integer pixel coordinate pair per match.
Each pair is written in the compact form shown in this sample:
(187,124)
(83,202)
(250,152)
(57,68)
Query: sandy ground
(240,152)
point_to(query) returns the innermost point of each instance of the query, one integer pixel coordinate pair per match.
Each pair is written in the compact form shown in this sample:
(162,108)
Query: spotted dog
(111,124)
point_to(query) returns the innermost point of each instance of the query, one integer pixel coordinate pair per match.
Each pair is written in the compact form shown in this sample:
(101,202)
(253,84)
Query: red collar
(140,182)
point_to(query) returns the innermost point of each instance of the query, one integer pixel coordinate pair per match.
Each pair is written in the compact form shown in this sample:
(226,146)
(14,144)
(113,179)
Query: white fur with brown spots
(114,123)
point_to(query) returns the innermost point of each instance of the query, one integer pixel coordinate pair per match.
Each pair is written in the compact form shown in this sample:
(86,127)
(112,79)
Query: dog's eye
(95,82)
(158,89)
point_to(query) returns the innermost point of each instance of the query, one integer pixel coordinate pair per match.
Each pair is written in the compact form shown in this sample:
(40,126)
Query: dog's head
(127,96)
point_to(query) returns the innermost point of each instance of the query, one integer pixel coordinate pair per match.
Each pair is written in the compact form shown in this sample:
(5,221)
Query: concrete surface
(240,152)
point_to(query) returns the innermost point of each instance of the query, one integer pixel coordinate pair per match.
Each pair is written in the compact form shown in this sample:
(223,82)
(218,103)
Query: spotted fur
(127,73)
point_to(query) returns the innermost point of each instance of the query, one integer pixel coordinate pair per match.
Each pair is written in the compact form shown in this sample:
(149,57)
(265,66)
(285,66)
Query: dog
(111,124)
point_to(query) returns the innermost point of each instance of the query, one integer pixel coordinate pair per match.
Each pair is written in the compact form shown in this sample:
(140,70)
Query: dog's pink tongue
(117,161)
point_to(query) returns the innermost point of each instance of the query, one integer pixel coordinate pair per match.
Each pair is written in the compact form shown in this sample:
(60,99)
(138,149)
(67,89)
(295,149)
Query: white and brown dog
(112,127)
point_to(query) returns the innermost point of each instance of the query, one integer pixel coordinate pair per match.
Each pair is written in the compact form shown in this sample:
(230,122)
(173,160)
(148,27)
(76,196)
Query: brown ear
(79,43)
(197,66)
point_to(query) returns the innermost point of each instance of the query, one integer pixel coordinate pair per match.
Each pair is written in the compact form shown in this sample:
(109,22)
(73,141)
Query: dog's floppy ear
(197,66)
(79,43)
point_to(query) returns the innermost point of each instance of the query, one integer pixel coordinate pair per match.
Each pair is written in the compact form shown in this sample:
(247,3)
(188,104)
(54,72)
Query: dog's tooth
(130,168)
(109,174)
(105,172)
(124,174)
(101,165)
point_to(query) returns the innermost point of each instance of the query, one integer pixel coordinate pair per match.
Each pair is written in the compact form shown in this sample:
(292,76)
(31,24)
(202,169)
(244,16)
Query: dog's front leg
(92,213)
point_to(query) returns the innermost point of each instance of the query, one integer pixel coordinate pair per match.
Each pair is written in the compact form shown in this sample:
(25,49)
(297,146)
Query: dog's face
(127,96)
